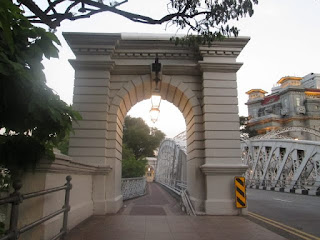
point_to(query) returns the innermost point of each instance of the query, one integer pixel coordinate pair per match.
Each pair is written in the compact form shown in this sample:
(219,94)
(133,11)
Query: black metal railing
(16,198)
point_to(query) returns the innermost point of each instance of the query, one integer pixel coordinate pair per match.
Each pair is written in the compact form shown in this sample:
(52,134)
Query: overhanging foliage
(34,117)
(208,18)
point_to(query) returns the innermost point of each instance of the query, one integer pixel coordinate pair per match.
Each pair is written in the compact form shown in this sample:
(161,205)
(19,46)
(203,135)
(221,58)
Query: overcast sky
(285,40)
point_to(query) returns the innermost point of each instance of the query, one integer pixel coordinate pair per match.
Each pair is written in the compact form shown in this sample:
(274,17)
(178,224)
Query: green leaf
(6,31)
(4,69)
(53,37)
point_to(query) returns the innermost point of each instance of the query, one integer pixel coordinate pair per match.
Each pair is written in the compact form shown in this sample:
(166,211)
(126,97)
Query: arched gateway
(113,73)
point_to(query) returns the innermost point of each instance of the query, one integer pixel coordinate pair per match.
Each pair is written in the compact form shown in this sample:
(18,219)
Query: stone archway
(113,73)
(174,90)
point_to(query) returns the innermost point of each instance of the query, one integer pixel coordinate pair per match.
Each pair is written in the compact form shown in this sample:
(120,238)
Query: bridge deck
(157,201)
(157,216)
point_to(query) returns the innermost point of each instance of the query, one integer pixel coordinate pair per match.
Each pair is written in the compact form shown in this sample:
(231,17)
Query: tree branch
(37,11)
(190,13)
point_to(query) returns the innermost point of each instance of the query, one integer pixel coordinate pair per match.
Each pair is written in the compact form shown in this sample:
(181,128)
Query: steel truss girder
(282,163)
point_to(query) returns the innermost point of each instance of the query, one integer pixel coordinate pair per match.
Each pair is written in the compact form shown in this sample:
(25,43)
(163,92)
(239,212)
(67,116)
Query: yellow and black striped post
(240,187)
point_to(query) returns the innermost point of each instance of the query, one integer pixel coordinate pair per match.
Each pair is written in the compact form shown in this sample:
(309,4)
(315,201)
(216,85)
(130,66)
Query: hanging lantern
(154,114)
(156,97)
(155,100)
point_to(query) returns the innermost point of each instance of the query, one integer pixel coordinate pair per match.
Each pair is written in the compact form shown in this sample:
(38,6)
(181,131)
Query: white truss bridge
(287,164)
(276,161)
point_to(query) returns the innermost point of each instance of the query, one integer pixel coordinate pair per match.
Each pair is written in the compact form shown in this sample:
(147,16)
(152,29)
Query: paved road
(298,211)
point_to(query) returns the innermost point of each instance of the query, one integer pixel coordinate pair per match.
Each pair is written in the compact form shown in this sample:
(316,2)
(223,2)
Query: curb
(287,190)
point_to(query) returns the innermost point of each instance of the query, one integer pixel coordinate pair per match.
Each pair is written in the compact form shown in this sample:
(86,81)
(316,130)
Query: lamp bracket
(156,68)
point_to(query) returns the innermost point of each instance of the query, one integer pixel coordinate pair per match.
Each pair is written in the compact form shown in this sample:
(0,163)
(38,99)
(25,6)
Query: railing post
(13,229)
(67,206)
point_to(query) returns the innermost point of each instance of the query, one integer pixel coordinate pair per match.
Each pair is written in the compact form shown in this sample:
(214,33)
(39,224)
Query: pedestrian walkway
(157,201)
(157,216)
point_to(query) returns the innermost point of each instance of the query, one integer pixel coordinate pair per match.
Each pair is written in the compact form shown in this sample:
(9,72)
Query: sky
(284,41)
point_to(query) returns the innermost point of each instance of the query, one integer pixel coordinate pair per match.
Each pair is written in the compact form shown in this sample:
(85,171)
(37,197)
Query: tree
(208,18)
(140,138)
(139,141)
(245,132)
(132,167)
(34,117)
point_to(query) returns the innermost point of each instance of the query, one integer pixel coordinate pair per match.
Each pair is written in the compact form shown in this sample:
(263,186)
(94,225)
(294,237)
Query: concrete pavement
(157,216)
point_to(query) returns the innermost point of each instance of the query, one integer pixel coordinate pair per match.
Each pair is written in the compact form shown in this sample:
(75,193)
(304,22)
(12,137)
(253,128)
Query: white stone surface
(53,174)
(109,82)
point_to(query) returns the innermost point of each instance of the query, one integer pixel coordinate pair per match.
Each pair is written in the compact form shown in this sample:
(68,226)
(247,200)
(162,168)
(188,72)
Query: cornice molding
(64,164)
(292,89)
(283,120)
(185,69)
(88,50)
(147,46)
(253,101)
(219,53)
(231,42)
(91,65)
(131,69)
(92,43)
(214,169)
(229,47)
(151,54)
(93,39)
(182,69)
(219,67)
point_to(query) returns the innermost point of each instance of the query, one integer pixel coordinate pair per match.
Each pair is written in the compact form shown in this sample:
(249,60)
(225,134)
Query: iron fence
(16,198)
(133,187)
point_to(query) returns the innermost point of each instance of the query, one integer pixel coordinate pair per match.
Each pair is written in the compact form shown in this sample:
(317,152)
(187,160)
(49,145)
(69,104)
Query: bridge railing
(175,185)
(16,198)
(306,184)
(133,187)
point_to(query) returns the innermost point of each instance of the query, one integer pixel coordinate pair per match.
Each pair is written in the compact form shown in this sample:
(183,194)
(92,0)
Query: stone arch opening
(174,90)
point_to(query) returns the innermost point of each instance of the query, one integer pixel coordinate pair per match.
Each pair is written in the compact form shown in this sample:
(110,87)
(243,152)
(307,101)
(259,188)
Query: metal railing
(307,185)
(16,198)
(133,187)
(180,188)
(175,185)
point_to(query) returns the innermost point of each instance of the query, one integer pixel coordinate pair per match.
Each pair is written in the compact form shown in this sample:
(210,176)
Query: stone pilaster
(88,144)
(221,125)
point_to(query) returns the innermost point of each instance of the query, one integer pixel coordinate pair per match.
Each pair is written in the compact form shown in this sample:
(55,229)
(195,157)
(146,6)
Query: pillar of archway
(221,124)
(113,73)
